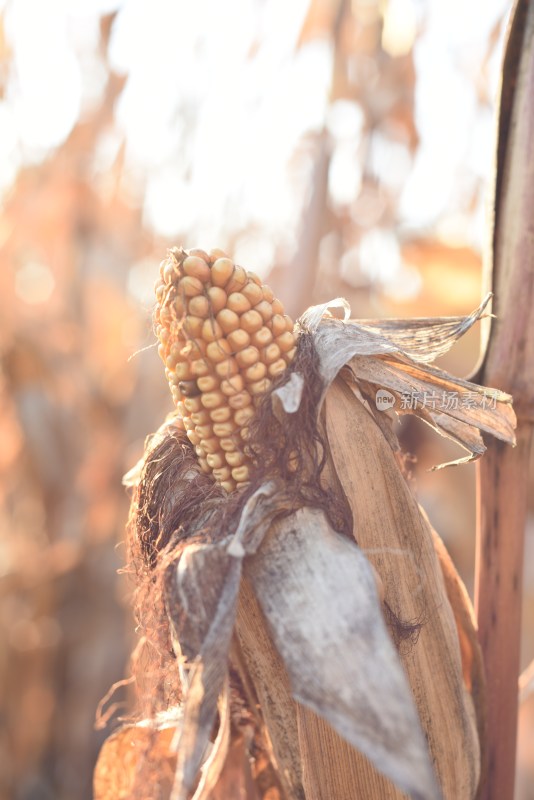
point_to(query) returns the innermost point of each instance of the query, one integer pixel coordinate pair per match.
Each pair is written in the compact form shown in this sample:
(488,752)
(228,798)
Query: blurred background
(335,147)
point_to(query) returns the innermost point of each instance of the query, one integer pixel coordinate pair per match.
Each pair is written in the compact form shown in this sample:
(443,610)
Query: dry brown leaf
(397,540)
(395,355)
(201,600)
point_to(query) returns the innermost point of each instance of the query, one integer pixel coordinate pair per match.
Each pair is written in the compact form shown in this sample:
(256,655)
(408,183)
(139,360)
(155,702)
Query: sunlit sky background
(218,96)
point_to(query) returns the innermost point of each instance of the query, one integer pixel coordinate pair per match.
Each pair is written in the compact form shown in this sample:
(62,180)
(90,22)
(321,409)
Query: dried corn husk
(347,714)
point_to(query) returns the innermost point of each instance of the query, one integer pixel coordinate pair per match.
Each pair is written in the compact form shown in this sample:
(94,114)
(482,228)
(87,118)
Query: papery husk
(421,585)
(266,670)
(398,541)
(324,617)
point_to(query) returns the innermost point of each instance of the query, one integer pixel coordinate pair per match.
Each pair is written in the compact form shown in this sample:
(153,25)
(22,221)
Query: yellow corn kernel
(204,431)
(228,320)
(240,473)
(286,341)
(237,281)
(192,404)
(261,337)
(195,348)
(197,251)
(222,474)
(258,387)
(278,307)
(231,386)
(216,253)
(211,445)
(190,286)
(254,278)
(235,458)
(238,340)
(278,324)
(210,400)
(243,415)
(248,356)
(255,372)
(211,330)
(224,429)
(265,309)
(251,321)
(200,367)
(290,355)
(276,367)
(240,400)
(238,302)
(218,351)
(221,271)
(207,383)
(270,353)
(193,326)
(200,417)
(228,486)
(252,292)
(193,437)
(227,368)
(221,414)
(227,444)
(199,306)
(217,298)
(268,294)
(196,267)
(216,460)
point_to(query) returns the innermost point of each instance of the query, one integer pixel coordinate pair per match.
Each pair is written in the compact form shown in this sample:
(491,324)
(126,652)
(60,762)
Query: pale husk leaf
(318,594)
(397,539)
(396,355)
(201,599)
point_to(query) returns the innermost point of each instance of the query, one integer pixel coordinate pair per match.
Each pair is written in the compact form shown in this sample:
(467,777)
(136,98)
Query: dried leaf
(318,594)
(397,539)
(425,338)
(395,355)
(268,674)
(201,597)
(470,651)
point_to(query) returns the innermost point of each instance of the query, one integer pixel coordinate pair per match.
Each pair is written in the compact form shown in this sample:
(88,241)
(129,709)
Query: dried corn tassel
(223,339)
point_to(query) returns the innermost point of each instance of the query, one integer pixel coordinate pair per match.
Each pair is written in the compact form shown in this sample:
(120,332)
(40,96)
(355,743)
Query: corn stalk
(508,362)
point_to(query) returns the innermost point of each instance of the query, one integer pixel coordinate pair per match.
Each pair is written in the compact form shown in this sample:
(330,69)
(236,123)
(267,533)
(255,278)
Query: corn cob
(223,338)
